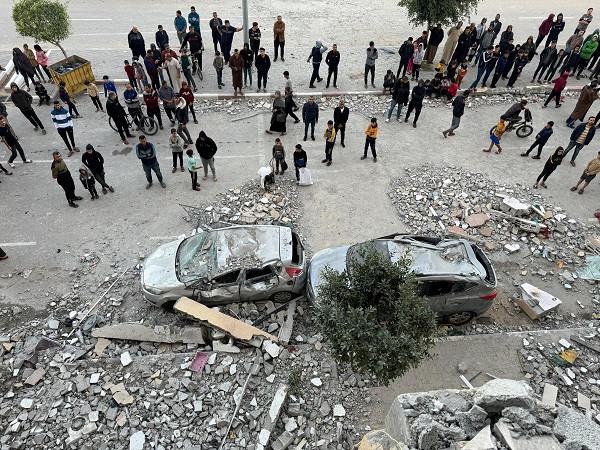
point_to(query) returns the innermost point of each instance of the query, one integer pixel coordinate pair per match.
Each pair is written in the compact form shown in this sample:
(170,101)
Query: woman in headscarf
(279,115)
(23,66)
(550,166)
(42,59)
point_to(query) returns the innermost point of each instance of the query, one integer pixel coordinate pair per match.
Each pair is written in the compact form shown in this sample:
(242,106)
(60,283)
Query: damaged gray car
(237,263)
(454,276)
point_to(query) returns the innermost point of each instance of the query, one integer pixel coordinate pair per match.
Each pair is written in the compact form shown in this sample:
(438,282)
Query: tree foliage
(374,318)
(43,20)
(429,12)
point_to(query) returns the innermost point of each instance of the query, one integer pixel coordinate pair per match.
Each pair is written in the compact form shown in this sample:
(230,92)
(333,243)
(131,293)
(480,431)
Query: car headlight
(154,290)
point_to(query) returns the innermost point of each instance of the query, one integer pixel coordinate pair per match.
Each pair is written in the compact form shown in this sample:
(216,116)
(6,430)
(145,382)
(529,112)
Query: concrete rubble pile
(501,414)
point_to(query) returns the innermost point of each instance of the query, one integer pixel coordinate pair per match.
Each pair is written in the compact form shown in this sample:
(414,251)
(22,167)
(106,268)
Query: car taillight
(293,272)
(490,297)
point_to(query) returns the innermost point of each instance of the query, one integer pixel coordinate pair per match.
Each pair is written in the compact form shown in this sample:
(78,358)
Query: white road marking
(160,238)
(170,158)
(16,244)
(99,34)
(542,17)
(95,19)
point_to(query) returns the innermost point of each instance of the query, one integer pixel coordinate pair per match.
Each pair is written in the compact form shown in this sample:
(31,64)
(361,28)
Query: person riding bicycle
(512,114)
(134,107)
(194,40)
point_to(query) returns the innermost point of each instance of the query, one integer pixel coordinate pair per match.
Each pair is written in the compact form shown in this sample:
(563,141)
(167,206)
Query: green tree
(43,20)
(430,12)
(373,317)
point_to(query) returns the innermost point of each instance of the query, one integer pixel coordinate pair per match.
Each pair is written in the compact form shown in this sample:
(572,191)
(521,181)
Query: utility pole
(245,21)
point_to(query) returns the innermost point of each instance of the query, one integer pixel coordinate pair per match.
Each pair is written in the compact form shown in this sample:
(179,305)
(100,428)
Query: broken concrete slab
(36,376)
(101,345)
(126,359)
(285,332)
(138,332)
(234,327)
(378,440)
(477,220)
(481,441)
(583,402)
(396,423)
(219,346)
(498,394)
(574,430)
(549,395)
(137,441)
(272,416)
(548,442)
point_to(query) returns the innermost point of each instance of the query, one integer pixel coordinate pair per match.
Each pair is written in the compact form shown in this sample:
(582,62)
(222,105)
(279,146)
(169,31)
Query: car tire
(459,318)
(282,297)
(169,306)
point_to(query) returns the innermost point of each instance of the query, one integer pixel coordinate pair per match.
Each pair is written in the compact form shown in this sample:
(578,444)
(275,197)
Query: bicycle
(147,124)
(522,128)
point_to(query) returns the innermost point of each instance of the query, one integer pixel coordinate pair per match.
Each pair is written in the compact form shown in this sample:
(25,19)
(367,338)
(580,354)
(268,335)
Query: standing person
(9,138)
(571,61)
(553,162)
(227,31)
(66,98)
(574,41)
(480,30)
(487,39)
(557,26)
(109,86)
(490,66)
(214,24)
(263,64)
(167,95)
(340,118)
(279,37)
(146,152)
(581,136)
(22,66)
(333,61)
(94,160)
(496,135)
(193,169)
(310,116)
(151,100)
(175,144)
(180,26)
(136,43)
(248,57)
(42,59)
(290,105)
(462,72)
(406,51)
(194,40)
(589,173)
(585,55)
(418,56)
(584,20)
(23,101)
(152,69)
(194,19)
(540,140)
(520,63)
(279,116)
(543,31)
(132,100)
(558,62)
(329,136)
(453,34)
(507,35)
(279,156)
(371,133)
(462,46)
(300,160)
(458,109)
(88,181)
(482,65)
(64,125)
(236,63)
(61,174)
(173,70)
(188,96)
(399,97)
(254,35)
(183,118)
(416,102)
(207,149)
(162,38)
(435,39)
(129,72)
(559,85)
(589,94)
(115,110)
(372,55)
(547,58)
(157,58)
(218,64)
(186,68)
(529,48)
(316,54)
(34,63)
(497,25)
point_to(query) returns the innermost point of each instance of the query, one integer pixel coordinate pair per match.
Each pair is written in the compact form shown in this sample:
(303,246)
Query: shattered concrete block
(126,359)
(396,423)
(498,394)
(218,346)
(101,345)
(283,441)
(477,220)
(575,430)
(76,435)
(481,441)
(272,348)
(139,332)
(549,395)
(137,441)
(378,440)
(512,248)
(272,416)
(35,377)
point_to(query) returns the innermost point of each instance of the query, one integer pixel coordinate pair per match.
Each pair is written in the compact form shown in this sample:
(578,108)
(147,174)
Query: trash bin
(73,70)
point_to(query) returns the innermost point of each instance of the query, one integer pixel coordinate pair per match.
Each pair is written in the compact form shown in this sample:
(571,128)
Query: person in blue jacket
(540,140)
(194,19)
(227,31)
(180,26)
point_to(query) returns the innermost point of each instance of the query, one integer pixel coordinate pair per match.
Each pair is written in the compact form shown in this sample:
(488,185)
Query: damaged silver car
(237,263)
(453,275)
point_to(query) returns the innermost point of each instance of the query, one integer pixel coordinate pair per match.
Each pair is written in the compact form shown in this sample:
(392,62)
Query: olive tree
(430,12)
(373,316)
(43,20)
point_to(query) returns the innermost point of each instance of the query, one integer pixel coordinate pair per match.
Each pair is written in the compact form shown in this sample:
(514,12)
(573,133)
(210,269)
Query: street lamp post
(245,21)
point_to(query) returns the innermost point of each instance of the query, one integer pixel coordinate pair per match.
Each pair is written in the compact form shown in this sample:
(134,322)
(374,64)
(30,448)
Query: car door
(436,293)
(259,283)
(224,288)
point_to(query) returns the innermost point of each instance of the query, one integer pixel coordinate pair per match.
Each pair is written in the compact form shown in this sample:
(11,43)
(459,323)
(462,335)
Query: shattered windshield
(196,257)
(355,251)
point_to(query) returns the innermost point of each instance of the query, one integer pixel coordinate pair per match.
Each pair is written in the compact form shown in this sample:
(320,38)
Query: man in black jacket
(118,115)
(497,26)
(23,101)
(435,39)
(263,64)
(340,117)
(206,149)
(310,116)
(95,162)
(458,109)
(136,43)
(332,60)
(416,102)
(162,38)
(215,23)
(406,51)
(547,57)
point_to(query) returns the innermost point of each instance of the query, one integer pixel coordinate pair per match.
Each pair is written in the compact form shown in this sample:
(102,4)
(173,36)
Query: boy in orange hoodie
(371,133)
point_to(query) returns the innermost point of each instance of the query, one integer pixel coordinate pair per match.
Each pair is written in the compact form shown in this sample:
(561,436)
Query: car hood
(334,257)
(159,267)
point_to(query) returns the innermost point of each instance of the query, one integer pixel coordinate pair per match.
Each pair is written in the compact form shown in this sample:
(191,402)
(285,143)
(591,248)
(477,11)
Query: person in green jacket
(585,55)
(186,67)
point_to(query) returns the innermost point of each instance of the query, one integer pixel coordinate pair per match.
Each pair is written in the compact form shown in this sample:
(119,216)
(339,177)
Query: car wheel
(169,306)
(459,318)
(282,296)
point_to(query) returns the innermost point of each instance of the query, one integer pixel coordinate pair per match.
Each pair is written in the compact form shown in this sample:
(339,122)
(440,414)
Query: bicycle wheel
(149,126)
(524,131)
(112,124)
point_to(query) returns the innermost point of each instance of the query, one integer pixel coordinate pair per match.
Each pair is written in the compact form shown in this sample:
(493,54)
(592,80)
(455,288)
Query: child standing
(88,181)
(300,159)
(496,135)
(540,140)
(193,169)
(94,94)
(175,144)
(130,72)
(461,72)
(371,133)
(279,156)
(139,75)
(218,63)
(109,86)
(66,98)
(42,93)
(329,136)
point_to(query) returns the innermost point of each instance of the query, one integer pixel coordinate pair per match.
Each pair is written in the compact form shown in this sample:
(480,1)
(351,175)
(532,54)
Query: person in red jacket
(559,85)
(151,100)
(188,96)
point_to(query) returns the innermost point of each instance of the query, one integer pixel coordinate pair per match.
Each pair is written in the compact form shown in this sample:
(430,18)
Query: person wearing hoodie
(136,43)
(571,61)
(585,55)
(540,140)
(23,101)
(418,56)
(188,96)
(117,113)
(416,102)
(559,85)
(95,162)
(500,66)
(88,181)
(399,98)
(406,51)
(558,62)
(60,172)
(547,57)
(9,138)
(482,65)
(207,149)
(553,162)
(372,55)
(507,35)
(167,95)
(23,66)
(514,53)
(183,117)
(543,31)
(529,48)
(151,99)
(519,65)
(557,27)
(316,54)
(574,41)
